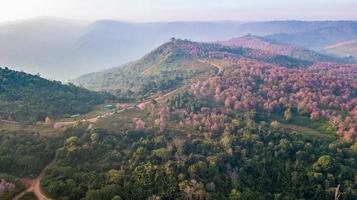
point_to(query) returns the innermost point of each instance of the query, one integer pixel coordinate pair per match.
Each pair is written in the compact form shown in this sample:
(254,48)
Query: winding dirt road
(219,67)
(35,185)
(107,114)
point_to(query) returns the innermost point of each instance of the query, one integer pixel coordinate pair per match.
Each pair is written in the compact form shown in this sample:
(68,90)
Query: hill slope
(257,129)
(345,49)
(246,124)
(261,43)
(25,97)
(320,37)
(174,63)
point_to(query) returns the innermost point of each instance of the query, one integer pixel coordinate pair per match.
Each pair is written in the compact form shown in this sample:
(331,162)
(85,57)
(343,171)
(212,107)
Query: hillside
(25,97)
(182,63)
(256,130)
(230,123)
(320,37)
(162,69)
(261,43)
(173,64)
(343,49)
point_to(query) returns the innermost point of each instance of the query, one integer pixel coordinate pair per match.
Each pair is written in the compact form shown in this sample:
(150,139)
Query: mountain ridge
(107,43)
(177,59)
(266,44)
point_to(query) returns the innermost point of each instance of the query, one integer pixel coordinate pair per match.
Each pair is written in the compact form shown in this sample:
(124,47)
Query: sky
(180,10)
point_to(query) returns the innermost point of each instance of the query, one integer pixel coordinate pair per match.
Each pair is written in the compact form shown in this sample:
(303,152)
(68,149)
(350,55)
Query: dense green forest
(239,163)
(25,97)
(25,154)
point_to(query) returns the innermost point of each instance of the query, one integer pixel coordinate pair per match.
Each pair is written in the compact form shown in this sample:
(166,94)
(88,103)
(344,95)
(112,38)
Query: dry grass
(43,129)
(305,131)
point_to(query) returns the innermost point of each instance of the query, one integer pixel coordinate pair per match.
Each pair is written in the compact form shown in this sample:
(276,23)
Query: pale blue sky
(176,10)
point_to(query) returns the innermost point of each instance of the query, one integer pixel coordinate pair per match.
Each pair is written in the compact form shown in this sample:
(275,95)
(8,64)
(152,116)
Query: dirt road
(10,122)
(219,67)
(35,185)
(95,119)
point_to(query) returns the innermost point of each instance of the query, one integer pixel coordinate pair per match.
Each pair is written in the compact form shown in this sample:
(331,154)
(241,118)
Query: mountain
(288,27)
(181,63)
(343,49)
(320,36)
(53,46)
(242,124)
(261,43)
(206,121)
(173,64)
(25,97)
(164,67)
(114,42)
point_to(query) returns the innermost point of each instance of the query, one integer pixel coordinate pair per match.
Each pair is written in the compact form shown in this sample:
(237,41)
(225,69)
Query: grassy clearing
(42,129)
(306,131)
(96,111)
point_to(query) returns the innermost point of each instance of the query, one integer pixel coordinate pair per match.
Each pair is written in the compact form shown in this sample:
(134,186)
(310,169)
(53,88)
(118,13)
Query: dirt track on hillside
(219,67)
(35,186)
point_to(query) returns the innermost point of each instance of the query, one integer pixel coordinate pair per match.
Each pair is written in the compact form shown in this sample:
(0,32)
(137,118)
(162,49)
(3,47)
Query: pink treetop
(139,124)
(314,115)
(141,106)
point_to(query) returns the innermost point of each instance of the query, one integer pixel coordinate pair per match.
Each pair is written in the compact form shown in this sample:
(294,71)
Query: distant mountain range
(324,34)
(262,43)
(64,49)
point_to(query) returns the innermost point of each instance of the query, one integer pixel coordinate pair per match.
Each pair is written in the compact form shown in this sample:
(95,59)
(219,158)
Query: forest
(30,98)
(238,163)
(225,138)
(208,122)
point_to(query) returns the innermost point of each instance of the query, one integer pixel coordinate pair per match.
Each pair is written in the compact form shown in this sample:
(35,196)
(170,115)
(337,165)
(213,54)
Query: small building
(48,120)
(109,106)
(75,116)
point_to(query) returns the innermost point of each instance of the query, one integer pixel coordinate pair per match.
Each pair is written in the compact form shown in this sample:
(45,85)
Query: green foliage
(220,150)
(189,102)
(160,84)
(28,196)
(142,165)
(24,154)
(25,97)
(162,69)
(106,192)
(19,187)
(234,195)
(287,61)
